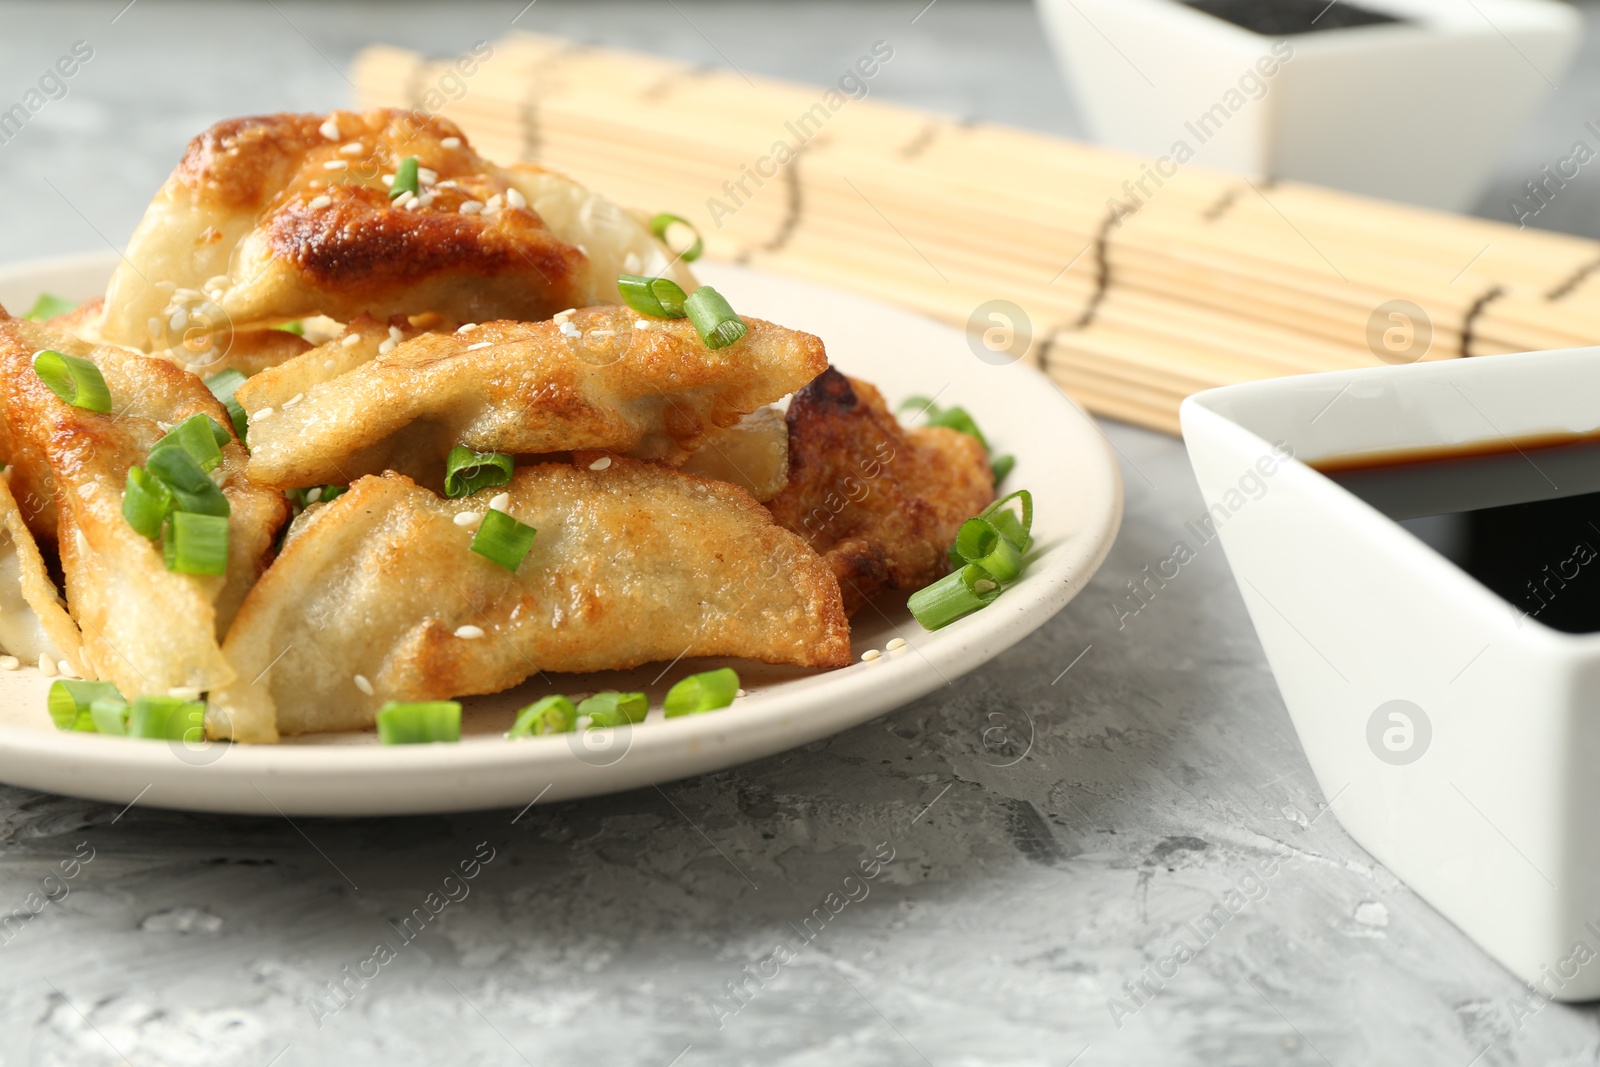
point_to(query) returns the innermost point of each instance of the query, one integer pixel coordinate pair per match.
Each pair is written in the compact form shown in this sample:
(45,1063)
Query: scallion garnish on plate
(145,502)
(612,708)
(958,419)
(663,221)
(553,714)
(988,554)
(48,306)
(698,693)
(196,544)
(660,298)
(419,723)
(713,316)
(503,539)
(192,488)
(199,435)
(466,471)
(405,179)
(74,379)
(167,718)
(222,384)
(957,594)
(70,699)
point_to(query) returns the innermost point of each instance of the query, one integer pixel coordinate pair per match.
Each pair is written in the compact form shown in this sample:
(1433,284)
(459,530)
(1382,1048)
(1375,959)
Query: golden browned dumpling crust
(633,563)
(881,503)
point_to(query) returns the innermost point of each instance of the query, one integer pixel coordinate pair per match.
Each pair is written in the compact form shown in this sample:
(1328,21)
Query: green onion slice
(713,316)
(702,692)
(420,723)
(160,718)
(980,542)
(548,715)
(296,327)
(405,179)
(660,298)
(1001,466)
(196,544)
(1015,525)
(145,502)
(192,488)
(74,379)
(466,471)
(503,539)
(69,702)
(661,222)
(222,384)
(959,593)
(48,306)
(110,715)
(617,709)
(199,435)
(955,418)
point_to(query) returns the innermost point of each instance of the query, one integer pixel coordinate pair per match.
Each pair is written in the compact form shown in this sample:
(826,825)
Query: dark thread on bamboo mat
(416,83)
(1471,320)
(1224,203)
(664,85)
(528,116)
(919,144)
(1572,281)
(794,209)
(1102,262)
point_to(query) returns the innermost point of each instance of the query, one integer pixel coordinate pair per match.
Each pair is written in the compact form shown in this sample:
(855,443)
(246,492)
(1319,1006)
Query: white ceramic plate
(1061,456)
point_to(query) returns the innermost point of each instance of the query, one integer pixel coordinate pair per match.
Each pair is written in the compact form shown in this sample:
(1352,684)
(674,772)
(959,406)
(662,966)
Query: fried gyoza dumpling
(881,503)
(33,623)
(592,379)
(377,596)
(144,627)
(753,454)
(278,217)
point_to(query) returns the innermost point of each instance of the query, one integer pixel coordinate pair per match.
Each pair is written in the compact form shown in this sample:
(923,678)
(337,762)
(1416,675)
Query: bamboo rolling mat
(1139,286)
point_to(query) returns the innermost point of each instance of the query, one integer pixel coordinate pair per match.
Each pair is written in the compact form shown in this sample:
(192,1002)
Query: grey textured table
(1019,899)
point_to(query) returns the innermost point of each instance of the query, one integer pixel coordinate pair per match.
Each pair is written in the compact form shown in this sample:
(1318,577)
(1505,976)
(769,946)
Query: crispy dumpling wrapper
(633,564)
(33,622)
(592,380)
(144,627)
(753,454)
(880,502)
(253,228)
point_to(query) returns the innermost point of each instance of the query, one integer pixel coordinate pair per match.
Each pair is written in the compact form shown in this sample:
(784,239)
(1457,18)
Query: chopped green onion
(316,494)
(713,316)
(296,327)
(503,539)
(420,723)
(617,709)
(660,298)
(955,418)
(980,542)
(192,488)
(199,435)
(196,544)
(69,702)
(145,502)
(222,384)
(959,593)
(48,306)
(548,715)
(1018,529)
(1002,466)
(466,471)
(74,379)
(702,692)
(110,715)
(405,179)
(167,719)
(658,226)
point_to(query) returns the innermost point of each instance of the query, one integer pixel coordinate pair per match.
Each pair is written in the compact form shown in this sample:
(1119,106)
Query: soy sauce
(1281,18)
(1523,517)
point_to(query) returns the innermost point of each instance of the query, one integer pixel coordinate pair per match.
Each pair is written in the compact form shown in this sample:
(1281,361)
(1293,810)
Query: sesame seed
(327,364)
(9,663)
(350,341)
(362,684)
(219,282)
(469,633)
(480,344)
(320,202)
(631,264)
(895,644)
(426,176)
(516,199)
(869,655)
(396,335)
(448,183)
(563,314)
(336,164)
(602,333)
(496,202)
(388,179)
(293,400)
(982,585)
(740,693)
(468,518)
(569,330)
(451,142)
(313,494)
(642,324)
(385,347)
(46,666)
(468,326)
(354,148)
(184,692)
(68,672)
(330,129)
(413,202)
(600,464)
(155,326)
(261,416)
(470,207)
(501,502)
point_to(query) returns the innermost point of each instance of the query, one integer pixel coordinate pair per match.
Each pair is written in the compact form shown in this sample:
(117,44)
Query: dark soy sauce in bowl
(1523,517)
(1281,18)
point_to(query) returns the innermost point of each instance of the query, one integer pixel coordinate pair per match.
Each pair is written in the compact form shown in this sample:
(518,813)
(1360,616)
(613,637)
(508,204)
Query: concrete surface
(1034,870)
